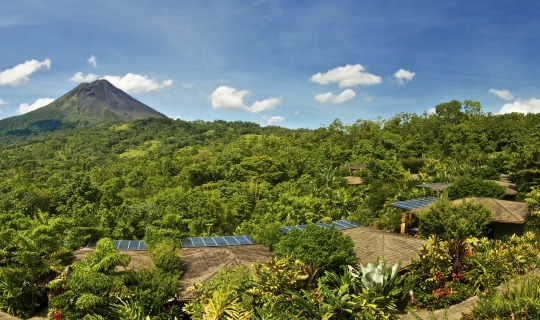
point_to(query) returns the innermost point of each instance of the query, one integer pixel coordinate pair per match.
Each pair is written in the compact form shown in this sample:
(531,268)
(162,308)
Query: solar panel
(142,245)
(219,241)
(186,242)
(414,203)
(131,245)
(438,186)
(231,240)
(339,224)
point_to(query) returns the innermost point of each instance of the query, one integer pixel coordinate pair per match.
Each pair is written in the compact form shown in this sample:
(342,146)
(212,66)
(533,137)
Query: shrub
(475,187)
(520,301)
(451,221)
(325,249)
(166,256)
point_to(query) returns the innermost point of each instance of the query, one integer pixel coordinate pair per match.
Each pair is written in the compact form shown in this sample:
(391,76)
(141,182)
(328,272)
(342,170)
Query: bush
(451,221)
(520,301)
(166,256)
(325,249)
(475,187)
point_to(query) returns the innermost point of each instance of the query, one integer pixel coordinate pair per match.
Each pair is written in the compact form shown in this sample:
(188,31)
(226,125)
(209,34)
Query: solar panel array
(193,242)
(414,203)
(339,224)
(133,245)
(434,186)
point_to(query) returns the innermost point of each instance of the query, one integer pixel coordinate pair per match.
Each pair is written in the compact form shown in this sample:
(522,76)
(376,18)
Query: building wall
(502,230)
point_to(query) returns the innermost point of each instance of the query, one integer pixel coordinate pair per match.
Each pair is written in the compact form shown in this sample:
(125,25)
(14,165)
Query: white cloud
(228,98)
(347,76)
(2,101)
(503,94)
(296,112)
(267,104)
(431,110)
(137,83)
(20,73)
(329,97)
(403,76)
(274,120)
(525,106)
(92,61)
(41,102)
(80,77)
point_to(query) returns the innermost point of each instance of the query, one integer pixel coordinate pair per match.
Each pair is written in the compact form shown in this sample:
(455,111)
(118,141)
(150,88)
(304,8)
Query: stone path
(452,313)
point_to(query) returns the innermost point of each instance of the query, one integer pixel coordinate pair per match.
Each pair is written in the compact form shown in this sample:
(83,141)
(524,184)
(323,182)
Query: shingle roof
(438,186)
(351,180)
(371,243)
(504,211)
(201,264)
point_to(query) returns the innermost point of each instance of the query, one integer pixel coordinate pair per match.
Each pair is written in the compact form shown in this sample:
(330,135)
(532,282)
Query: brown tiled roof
(504,211)
(199,264)
(371,243)
(202,263)
(353,180)
(354,167)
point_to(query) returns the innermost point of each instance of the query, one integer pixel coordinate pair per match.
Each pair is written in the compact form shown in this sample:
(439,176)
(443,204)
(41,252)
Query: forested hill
(160,176)
(88,104)
(162,179)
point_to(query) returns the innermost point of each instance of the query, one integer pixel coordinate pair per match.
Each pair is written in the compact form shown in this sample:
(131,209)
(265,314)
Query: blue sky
(289,63)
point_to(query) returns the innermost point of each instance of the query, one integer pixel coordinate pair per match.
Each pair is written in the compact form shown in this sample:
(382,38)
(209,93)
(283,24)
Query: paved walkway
(452,313)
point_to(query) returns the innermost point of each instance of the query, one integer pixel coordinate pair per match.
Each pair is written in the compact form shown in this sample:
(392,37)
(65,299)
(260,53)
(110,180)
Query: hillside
(157,179)
(86,105)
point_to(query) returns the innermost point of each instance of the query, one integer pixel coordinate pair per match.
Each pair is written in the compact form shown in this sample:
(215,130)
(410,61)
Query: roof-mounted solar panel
(192,242)
(414,203)
(339,224)
(131,245)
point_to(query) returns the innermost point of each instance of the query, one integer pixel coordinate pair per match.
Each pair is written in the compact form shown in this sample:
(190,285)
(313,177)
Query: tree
(326,249)
(455,223)
(475,187)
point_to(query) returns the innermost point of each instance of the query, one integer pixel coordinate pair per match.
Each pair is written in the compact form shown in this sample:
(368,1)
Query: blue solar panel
(325,225)
(439,186)
(209,242)
(231,240)
(216,241)
(142,245)
(186,242)
(244,240)
(414,203)
(123,244)
(339,224)
(220,241)
(197,242)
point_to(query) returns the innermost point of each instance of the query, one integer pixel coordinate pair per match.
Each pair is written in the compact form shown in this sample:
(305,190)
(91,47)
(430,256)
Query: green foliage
(93,284)
(166,256)
(475,187)
(326,249)
(492,262)
(163,178)
(485,264)
(288,289)
(454,221)
(521,300)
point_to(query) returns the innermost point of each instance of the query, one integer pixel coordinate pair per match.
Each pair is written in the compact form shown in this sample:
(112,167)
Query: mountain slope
(86,105)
